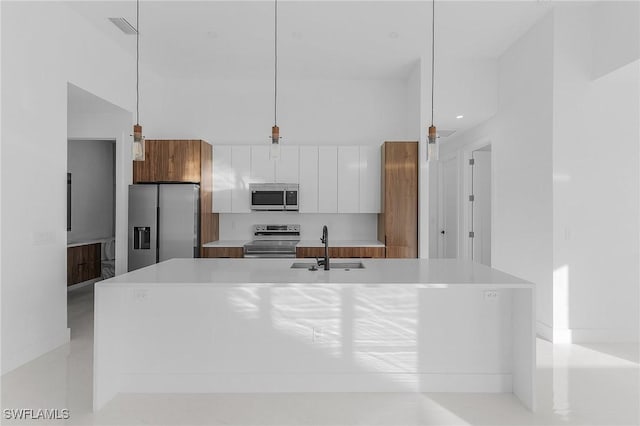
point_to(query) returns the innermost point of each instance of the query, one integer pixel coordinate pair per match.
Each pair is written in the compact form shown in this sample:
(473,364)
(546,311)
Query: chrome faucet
(325,240)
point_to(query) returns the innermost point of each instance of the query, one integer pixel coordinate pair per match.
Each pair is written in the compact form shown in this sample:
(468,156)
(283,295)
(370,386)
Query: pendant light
(138,139)
(275,130)
(432,136)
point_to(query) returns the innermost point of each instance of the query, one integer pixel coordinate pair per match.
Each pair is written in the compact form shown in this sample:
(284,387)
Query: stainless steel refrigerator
(164,223)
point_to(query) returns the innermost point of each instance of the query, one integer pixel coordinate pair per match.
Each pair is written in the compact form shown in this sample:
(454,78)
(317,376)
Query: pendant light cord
(275,80)
(433,48)
(137,61)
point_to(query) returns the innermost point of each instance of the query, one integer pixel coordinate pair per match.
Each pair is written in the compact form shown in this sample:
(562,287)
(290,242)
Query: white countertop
(87,242)
(302,243)
(436,273)
(341,243)
(226,243)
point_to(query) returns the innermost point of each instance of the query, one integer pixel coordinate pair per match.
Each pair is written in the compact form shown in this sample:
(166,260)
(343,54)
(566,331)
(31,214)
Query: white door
(449,214)
(370,162)
(481,207)
(327,179)
(262,166)
(241,166)
(223,179)
(308,177)
(348,179)
(287,165)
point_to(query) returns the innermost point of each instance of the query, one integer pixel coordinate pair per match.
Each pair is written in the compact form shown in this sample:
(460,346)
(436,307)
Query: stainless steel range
(273,241)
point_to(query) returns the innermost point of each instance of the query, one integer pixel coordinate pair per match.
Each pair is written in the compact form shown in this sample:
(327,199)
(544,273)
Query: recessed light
(394,35)
(459,116)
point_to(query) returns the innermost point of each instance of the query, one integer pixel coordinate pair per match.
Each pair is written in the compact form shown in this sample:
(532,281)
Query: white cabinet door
(262,166)
(348,179)
(241,164)
(287,165)
(370,185)
(327,179)
(223,179)
(308,179)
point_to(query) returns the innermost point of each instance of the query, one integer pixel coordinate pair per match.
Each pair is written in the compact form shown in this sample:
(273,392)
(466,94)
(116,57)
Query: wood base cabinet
(341,252)
(398,221)
(83,263)
(225,252)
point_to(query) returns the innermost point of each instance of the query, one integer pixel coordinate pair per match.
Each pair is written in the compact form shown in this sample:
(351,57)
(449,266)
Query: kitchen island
(257,325)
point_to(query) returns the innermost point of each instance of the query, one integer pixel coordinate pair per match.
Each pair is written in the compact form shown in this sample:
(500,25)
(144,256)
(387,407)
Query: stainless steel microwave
(274,196)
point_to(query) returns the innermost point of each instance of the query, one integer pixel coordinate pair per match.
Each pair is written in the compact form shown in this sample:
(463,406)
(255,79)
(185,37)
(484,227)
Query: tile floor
(577,385)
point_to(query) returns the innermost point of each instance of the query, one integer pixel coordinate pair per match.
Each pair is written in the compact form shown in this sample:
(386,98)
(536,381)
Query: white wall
(616,35)
(596,184)
(41,53)
(92,168)
(309,112)
(521,138)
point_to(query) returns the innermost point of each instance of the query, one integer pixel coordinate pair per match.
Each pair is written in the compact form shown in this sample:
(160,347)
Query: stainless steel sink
(333,265)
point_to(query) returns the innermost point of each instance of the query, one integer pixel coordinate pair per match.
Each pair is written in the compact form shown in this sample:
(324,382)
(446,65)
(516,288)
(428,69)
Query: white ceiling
(317,39)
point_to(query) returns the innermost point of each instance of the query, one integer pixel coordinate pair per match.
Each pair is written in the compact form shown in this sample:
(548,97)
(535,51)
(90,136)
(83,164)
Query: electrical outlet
(491,295)
(140,295)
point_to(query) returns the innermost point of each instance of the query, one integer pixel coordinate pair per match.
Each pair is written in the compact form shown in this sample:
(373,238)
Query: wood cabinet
(341,252)
(188,161)
(83,263)
(227,252)
(398,221)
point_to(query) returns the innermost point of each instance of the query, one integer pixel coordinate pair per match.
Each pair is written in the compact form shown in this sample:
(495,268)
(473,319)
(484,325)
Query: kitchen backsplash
(239,226)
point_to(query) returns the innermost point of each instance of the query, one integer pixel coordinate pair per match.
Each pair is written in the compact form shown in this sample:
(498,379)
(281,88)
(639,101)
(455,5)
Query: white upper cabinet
(241,164)
(308,179)
(370,179)
(332,179)
(223,179)
(287,165)
(263,168)
(327,179)
(348,179)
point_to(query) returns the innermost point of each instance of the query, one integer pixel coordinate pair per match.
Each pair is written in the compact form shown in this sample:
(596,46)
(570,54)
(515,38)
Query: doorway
(480,205)
(448,212)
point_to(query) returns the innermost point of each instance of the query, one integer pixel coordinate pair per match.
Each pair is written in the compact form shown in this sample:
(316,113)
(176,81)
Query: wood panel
(209,221)
(83,263)
(230,252)
(398,222)
(169,161)
(341,252)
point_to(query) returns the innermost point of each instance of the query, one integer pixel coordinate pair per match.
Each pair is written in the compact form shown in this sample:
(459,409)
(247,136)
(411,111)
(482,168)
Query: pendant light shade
(432,135)
(275,130)
(138,139)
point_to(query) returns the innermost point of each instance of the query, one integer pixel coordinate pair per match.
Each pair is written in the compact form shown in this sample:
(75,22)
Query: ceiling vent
(124,26)
(445,133)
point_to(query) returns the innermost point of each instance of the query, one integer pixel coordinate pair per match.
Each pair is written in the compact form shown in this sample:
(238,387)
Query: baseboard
(544,331)
(299,382)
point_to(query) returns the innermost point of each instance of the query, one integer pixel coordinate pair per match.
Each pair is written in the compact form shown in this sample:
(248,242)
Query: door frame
(465,247)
